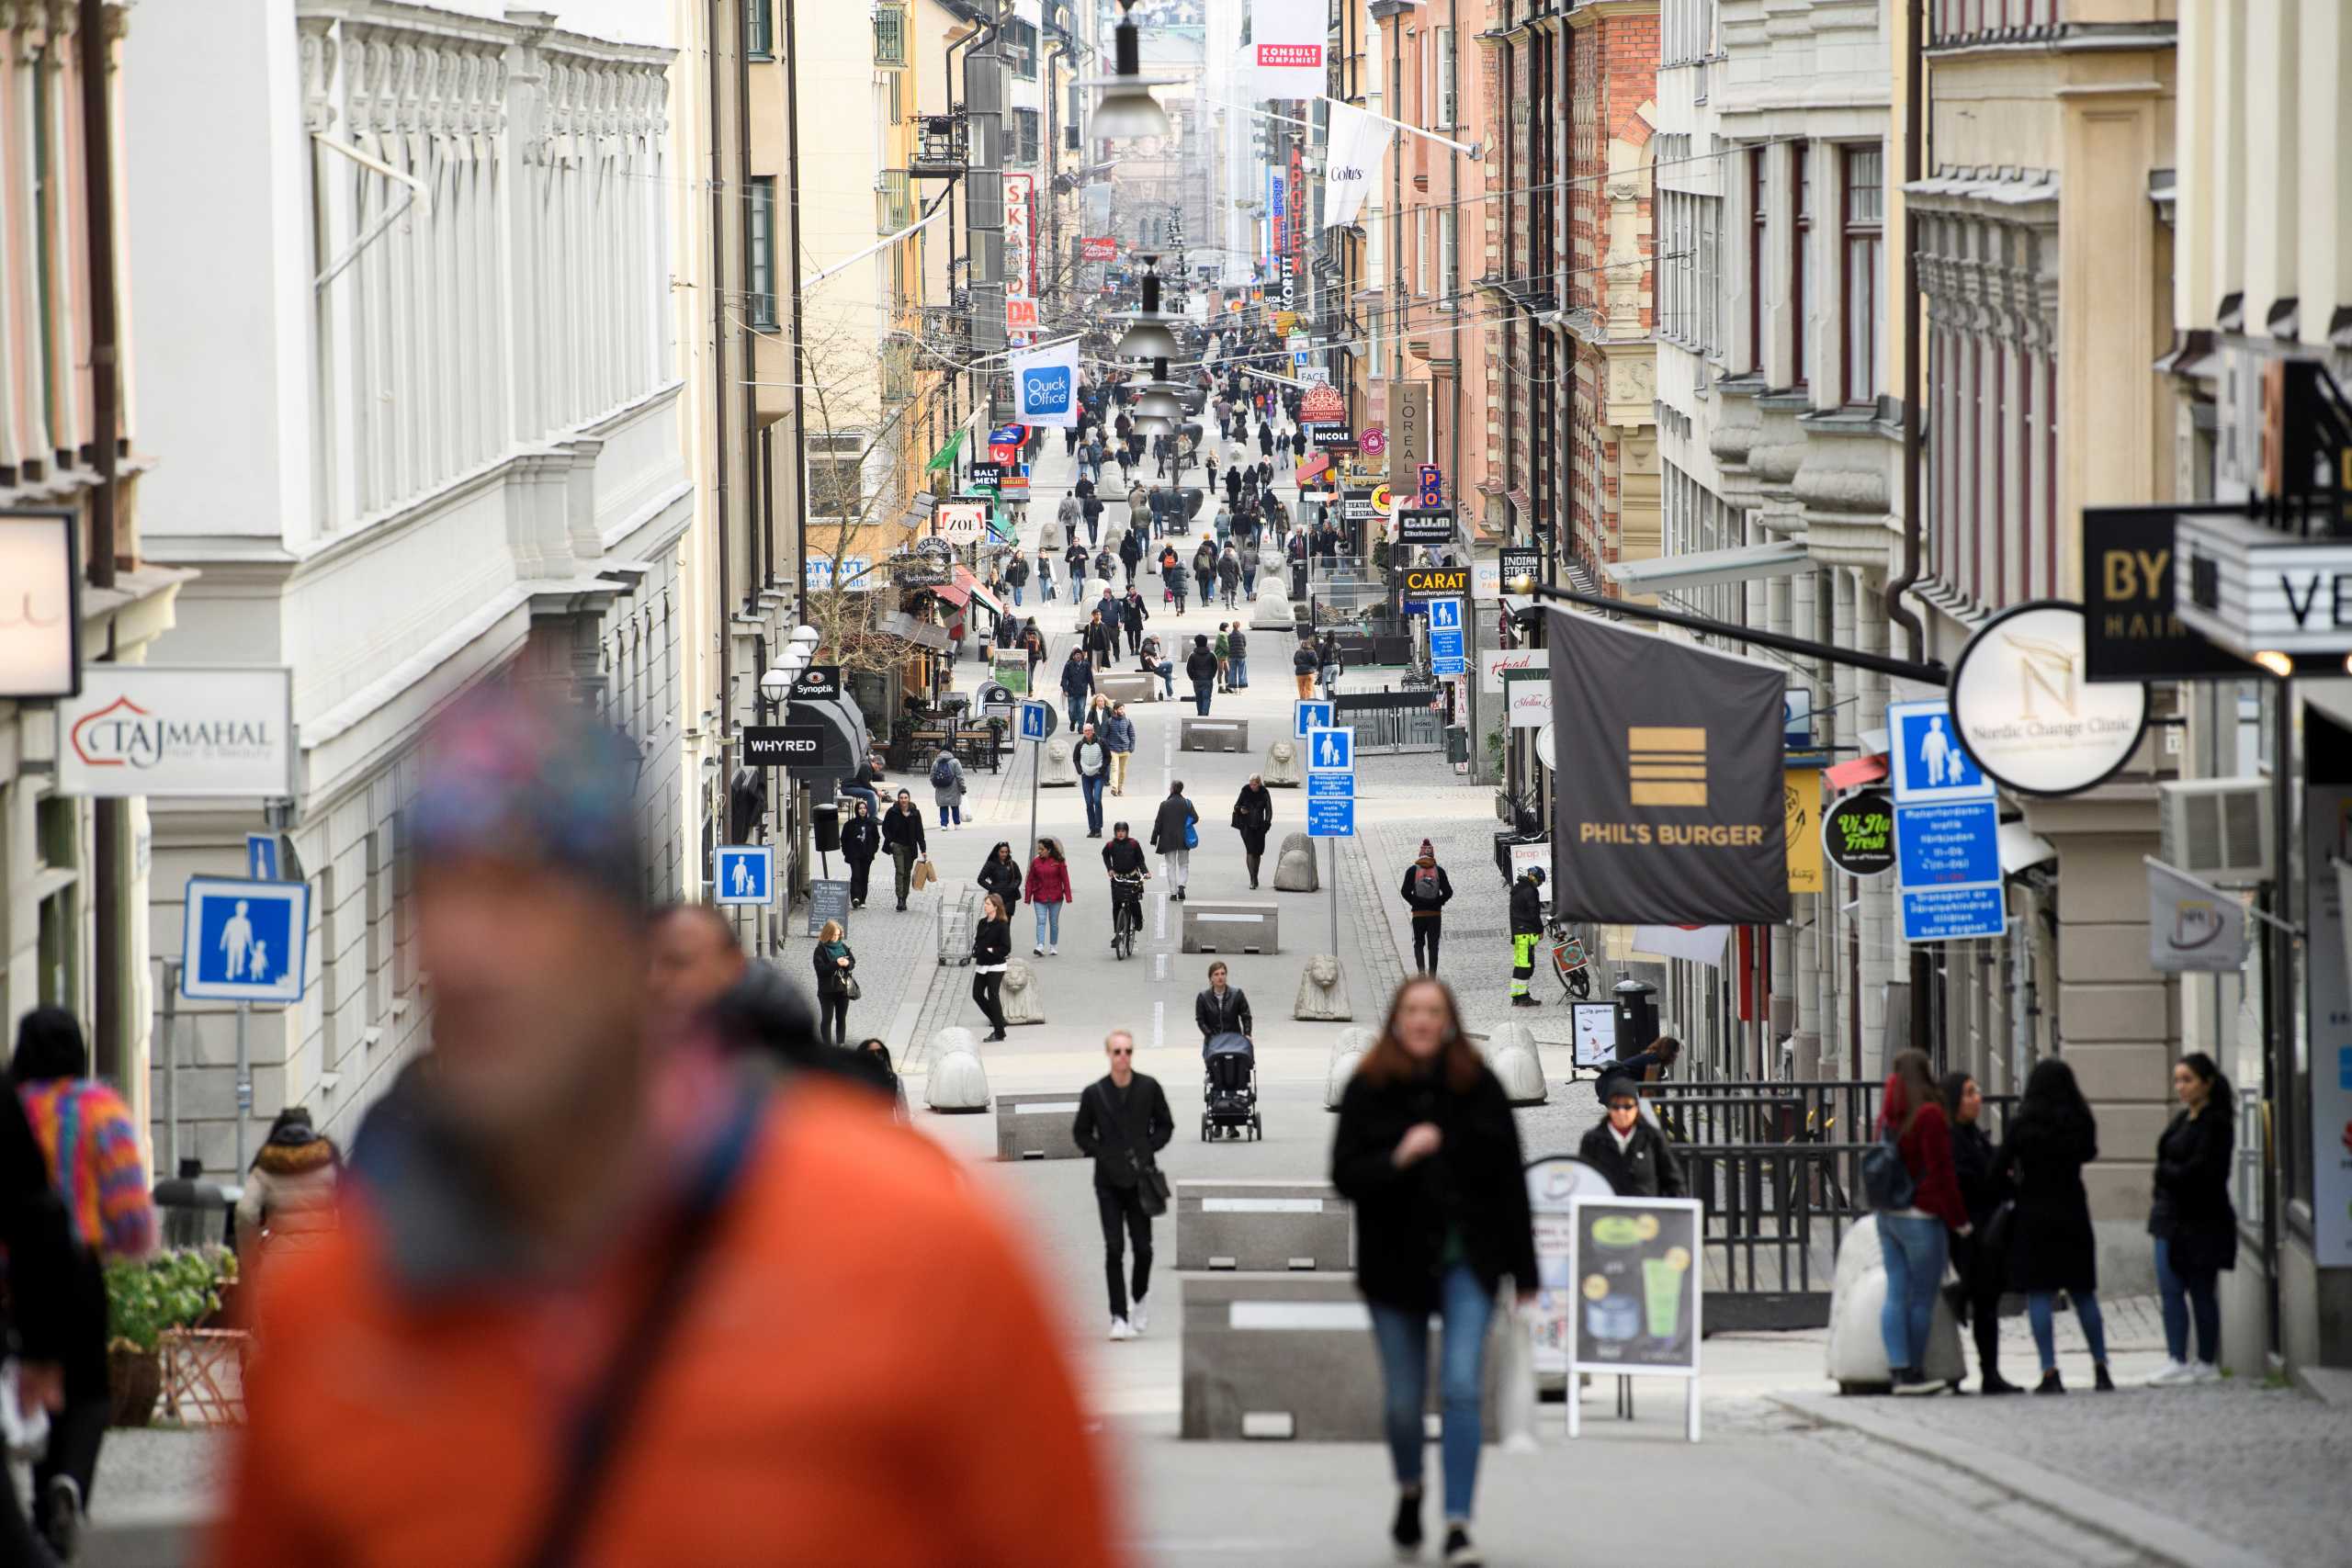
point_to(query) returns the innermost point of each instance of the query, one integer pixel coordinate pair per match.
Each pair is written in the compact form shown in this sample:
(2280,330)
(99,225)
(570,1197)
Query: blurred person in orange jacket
(595,1300)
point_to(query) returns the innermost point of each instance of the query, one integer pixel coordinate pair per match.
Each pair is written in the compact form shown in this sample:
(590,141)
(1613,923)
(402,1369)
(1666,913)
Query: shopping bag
(923,875)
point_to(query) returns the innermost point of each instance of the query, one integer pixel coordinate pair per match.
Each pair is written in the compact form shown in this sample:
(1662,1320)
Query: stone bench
(1263,1226)
(1290,1357)
(1128,685)
(1231,926)
(1198,734)
(1036,1126)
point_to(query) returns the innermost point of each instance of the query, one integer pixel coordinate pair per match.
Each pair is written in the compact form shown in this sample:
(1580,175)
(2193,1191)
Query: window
(890,36)
(1421,250)
(836,474)
(1864,246)
(759,28)
(1760,255)
(1027,143)
(1446,96)
(1018,44)
(1711,223)
(760,285)
(1800,261)
(379,969)
(57,882)
(1445,257)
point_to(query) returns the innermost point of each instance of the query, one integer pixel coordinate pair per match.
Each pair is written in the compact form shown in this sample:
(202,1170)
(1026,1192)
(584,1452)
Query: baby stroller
(1229,1105)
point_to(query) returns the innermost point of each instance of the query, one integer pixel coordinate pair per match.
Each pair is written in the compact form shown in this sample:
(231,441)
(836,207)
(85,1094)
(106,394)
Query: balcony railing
(894,201)
(942,145)
(891,35)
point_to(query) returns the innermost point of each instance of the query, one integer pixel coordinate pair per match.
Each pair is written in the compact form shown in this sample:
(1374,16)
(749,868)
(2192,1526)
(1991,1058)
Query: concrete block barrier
(1128,685)
(1198,734)
(1290,1357)
(1263,1227)
(1231,926)
(1036,1126)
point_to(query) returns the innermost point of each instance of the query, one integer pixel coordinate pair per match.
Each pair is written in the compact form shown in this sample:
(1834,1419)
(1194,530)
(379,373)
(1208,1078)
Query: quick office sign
(1947,826)
(191,730)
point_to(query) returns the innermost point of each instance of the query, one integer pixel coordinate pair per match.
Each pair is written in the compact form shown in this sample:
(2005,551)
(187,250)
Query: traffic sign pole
(244,1080)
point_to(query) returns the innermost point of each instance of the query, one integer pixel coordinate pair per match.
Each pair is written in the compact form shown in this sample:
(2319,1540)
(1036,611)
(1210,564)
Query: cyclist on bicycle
(1130,867)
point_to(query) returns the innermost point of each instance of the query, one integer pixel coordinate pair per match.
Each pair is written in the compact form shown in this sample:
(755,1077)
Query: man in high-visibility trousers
(1526,932)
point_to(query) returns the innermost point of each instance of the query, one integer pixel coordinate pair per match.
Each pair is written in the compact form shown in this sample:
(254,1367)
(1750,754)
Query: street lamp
(1127,108)
(1147,337)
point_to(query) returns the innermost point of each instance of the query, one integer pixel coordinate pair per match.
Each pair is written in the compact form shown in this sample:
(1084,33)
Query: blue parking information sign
(1311,714)
(743,874)
(1330,818)
(1947,830)
(1331,750)
(244,942)
(1446,656)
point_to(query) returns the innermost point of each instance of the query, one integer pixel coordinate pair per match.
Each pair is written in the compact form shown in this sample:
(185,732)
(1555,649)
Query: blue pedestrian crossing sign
(1446,657)
(244,942)
(1036,721)
(1311,714)
(261,856)
(1927,759)
(1330,818)
(743,874)
(1331,750)
(1446,614)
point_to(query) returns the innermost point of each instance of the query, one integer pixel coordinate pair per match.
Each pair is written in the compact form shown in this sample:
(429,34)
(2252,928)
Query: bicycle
(1569,964)
(1127,912)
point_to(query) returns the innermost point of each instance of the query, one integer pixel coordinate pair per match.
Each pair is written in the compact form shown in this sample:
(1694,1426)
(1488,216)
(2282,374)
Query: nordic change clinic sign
(2027,711)
(182,730)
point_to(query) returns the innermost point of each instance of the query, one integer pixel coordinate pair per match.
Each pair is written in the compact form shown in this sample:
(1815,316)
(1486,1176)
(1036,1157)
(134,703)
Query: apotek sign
(204,730)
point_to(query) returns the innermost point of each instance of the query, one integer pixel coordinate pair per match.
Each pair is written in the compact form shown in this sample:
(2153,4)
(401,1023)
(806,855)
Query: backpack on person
(942,772)
(1887,1184)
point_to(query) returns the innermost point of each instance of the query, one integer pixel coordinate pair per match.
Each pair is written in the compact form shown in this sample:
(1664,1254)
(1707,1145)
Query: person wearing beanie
(1425,890)
(1629,1151)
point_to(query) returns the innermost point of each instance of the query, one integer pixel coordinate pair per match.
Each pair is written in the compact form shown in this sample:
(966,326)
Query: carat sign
(187,730)
(2027,714)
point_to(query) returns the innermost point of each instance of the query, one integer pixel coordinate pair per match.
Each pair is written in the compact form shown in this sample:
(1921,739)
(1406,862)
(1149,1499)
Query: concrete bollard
(1518,1062)
(1054,766)
(1019,997)
(1262,1226)
(958,1084)
(1295,870)
(1036,1126)
(1282,765)
(1197,734)
(1322,991)
(1346,1051)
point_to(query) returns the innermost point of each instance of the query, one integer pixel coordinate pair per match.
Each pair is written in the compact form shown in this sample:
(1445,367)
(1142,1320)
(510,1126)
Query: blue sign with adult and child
(244,942)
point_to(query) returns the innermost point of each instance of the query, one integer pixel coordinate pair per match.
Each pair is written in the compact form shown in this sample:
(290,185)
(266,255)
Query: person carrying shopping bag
(903,839)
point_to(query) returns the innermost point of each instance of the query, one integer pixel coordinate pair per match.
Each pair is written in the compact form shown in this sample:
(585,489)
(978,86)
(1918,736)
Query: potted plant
(146,1298)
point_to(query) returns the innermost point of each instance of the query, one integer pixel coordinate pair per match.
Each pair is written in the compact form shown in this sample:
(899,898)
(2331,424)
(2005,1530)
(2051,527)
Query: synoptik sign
(184,730)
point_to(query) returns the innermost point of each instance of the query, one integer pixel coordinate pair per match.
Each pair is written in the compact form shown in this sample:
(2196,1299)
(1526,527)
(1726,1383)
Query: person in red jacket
(1047,889)
(1914,1240)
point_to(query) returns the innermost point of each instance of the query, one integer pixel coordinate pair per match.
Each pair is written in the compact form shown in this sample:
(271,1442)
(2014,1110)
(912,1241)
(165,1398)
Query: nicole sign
(186,731)
(2027,711)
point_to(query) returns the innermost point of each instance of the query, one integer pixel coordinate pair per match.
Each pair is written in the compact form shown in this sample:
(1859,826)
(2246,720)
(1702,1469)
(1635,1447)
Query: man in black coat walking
(1123,1121)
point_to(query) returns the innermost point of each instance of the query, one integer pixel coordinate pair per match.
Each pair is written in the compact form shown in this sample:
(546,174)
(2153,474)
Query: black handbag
(1152,1185)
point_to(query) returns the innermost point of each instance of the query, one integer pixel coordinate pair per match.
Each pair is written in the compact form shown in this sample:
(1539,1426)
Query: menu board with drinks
(1637,1266)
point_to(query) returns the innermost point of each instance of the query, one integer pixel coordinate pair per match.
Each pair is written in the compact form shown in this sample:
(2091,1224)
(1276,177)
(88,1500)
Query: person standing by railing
(1984,1272)
(2192,1220)
(1912,1238)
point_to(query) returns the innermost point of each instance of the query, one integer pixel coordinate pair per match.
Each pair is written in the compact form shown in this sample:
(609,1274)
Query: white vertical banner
(1044,386)
(1352,162)
(1285,48)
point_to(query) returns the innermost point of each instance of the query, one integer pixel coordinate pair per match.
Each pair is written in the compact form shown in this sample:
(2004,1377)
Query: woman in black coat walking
(1169,829)
(861,841)
(991,945)
(2053,1135)
(1253,817)
(1426,1151)
(1984,1271)
(1001,874)
(2195,1224)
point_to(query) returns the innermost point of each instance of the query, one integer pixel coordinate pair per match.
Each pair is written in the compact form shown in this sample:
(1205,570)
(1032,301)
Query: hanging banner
(2194,927)
(1097,248)
(1286,48)
(1693,945)
(1669,808)
(1352,162)
(1801,805)
(1020,257)
(2026,713)
(1044,386)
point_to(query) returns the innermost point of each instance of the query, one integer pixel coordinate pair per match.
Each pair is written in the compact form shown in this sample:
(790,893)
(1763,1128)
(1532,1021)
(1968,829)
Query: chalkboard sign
(828,902)
(1636,1263)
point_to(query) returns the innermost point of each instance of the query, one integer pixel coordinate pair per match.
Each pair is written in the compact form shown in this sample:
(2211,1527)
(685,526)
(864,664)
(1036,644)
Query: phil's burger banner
(1668,806)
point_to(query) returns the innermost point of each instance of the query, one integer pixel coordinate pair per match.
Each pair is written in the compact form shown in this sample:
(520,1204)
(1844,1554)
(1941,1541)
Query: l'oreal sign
(184,730)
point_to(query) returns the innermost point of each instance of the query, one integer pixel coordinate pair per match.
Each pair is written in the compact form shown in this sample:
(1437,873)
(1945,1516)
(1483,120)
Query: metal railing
(1778,1167)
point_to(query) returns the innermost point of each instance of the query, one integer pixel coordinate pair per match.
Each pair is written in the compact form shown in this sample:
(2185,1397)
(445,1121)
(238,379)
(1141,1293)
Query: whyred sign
(1309,55)
(1092,249)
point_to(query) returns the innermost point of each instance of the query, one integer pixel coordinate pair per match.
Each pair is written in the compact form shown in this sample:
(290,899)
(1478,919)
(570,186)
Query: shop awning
(955,594)
(1702,569)
(846,740)
(2021,847)
(974,589)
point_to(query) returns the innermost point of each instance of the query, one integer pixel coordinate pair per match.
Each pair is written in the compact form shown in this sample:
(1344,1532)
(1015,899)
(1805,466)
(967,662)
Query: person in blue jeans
(1913,1240)
(1091,758)
(2051,1135)
(1200,667)
(2193,1222)
(1426,1151)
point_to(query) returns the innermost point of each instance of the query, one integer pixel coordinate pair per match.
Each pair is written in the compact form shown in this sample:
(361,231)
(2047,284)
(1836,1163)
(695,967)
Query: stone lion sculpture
(957,1083)
(1019,998)
(1280,771)
(1294,871)
(1321,997)
(1054,766)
